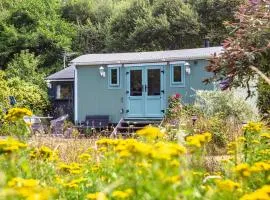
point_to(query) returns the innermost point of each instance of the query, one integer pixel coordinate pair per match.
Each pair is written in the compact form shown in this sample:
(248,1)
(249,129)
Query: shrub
(14,124)
(225,104)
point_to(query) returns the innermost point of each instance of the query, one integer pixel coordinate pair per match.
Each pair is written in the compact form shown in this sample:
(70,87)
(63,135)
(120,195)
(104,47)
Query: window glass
(153,82)
(177,74)
(135,82)
(64,91)
(114,78)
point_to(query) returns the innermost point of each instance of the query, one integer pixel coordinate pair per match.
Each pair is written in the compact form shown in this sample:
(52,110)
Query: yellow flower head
(96,196)
(84,157)
(150,132)
(265,135)
(44,153)
(122,194)
(260,194)
(10,145)
(253,127)
(227,185)
(242,169)
(15,114)
(198,140)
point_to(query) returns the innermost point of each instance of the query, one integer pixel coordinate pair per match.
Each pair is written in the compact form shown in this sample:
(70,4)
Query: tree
(28,95)
(158,25)
(212,15)
(247,51)
(123,23)
(4,93)
(34,25)
(25,67)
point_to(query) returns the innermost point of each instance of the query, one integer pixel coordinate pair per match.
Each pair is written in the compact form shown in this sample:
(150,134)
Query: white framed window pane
(114,77)
(177,74)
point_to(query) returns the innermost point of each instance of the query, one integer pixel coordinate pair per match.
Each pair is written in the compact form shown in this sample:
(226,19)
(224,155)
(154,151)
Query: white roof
(135,57)
(145,57)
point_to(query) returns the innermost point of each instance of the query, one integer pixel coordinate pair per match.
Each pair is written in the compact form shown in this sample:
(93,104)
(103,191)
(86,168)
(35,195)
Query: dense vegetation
(36,34)
(149,166)
(48,28)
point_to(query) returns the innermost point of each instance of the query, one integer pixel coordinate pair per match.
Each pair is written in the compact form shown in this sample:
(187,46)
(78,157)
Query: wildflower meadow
(148,165)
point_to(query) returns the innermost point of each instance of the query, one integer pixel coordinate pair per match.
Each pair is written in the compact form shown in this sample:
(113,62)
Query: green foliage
(123,23)
(139,168)
(212,15)
(264,97)
(25,67)
(225,104)
(174,107)
(28,95)
(34,25)
(16,129)
(246,52)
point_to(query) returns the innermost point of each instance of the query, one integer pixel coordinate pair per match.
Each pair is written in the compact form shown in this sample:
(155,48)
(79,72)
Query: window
(64,91)
(177,75)
(114,77)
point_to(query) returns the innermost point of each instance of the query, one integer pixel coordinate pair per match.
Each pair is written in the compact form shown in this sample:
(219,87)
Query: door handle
(145,88)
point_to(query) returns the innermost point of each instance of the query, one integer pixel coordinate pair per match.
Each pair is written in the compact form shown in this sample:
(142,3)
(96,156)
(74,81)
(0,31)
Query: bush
(264,97)
(223,103)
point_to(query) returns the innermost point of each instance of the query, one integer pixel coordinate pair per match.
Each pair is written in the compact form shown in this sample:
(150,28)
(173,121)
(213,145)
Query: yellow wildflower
(10,145)
(150,132)
(30,189)
(74,183)
(15,114)
(242,169)
(260,166)
(84,157)
(253,127)
(227,185)
(73,168)
(122,194)
(198,140)
(20,182)
(265,135)
(175,163)
(96,196)
(173,179)
(260,194)
(44,153)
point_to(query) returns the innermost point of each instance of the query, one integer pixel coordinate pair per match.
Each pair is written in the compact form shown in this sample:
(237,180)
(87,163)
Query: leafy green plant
(225,103)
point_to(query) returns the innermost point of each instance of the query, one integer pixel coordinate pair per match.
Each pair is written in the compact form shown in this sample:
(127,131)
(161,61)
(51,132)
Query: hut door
(145,91)
(135,92)
(154,92)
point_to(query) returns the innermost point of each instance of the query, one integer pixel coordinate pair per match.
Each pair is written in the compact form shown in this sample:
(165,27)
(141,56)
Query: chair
(34,124)
(57,125)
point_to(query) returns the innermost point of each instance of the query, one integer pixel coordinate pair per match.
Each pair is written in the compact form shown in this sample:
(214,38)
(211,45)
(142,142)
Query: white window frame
(110,85)
(177,83)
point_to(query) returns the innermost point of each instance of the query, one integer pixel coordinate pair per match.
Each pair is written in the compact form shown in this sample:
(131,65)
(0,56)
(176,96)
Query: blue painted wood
(110,84)
(145,105)
(183,75)
(95,98)
(135,104)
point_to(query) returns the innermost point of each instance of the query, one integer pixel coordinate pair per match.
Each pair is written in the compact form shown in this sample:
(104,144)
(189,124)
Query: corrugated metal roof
(135,57)
(143,57)
(67,73)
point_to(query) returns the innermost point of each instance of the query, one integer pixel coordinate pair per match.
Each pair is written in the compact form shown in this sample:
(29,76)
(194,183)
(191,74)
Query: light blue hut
(137,85)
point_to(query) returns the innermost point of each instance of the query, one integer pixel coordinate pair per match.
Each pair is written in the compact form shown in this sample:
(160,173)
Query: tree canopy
(35,34)
(47,28)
